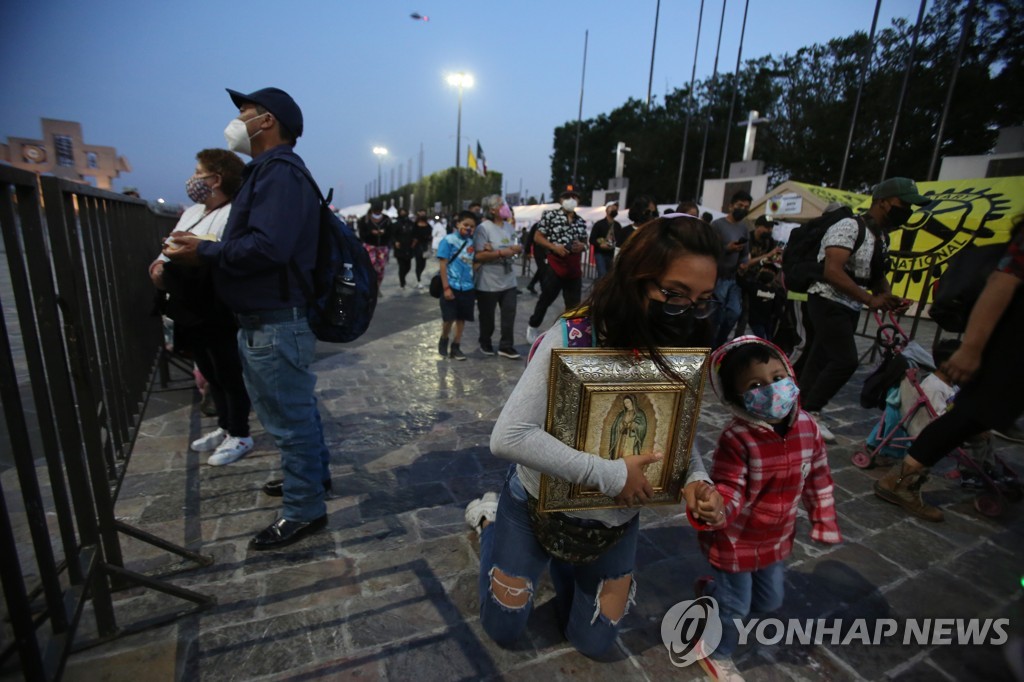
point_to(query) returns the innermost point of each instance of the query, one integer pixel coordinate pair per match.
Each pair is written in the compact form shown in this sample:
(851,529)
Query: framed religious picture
(612,404)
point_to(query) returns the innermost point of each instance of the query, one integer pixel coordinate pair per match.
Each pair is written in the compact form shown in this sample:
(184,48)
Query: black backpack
(800,266)
(961,284)
(344,293)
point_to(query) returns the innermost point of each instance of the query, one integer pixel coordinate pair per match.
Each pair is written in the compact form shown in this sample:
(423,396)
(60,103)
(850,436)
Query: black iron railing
(79,348)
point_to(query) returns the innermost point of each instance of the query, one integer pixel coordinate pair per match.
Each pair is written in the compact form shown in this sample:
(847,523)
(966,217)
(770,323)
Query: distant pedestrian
(564,234)
(403,239)
(375,231)
(455,254)
(602,239)
(540,258)
(422,240)
(495,250)
(733,231)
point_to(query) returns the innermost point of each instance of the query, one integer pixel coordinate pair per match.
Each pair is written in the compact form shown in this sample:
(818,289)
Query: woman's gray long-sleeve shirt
(519,436)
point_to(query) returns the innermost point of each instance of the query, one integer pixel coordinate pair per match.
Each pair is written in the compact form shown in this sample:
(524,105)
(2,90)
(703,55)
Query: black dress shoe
(275,488)
(283,532)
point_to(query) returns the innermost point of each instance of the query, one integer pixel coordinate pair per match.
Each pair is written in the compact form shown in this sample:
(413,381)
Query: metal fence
(78,351)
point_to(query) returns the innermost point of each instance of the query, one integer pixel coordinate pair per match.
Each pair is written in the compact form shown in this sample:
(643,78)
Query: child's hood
(716,380)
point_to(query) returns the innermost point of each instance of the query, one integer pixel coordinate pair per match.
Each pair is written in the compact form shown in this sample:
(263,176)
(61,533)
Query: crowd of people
(226,278)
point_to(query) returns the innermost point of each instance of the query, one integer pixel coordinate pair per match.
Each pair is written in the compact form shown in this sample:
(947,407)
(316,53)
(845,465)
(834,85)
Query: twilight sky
(148,77)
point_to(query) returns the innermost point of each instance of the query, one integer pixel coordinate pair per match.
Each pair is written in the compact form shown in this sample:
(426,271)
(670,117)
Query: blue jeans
(729,295)
(740,594)
(509,545)
(603,260)
(275,363)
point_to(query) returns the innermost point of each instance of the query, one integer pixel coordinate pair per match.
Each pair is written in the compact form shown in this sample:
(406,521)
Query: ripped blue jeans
(509,546)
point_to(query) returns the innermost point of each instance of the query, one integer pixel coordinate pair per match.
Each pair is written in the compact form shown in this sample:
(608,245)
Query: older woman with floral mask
(203,326)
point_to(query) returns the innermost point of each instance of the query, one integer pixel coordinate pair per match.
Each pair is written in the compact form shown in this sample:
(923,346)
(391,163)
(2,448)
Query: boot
(904,488)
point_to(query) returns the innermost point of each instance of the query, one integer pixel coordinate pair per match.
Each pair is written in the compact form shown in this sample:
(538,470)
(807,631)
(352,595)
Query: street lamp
(381,152)
(460,80)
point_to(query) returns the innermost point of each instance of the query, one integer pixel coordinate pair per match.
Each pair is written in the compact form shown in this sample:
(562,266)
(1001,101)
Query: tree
(810,98)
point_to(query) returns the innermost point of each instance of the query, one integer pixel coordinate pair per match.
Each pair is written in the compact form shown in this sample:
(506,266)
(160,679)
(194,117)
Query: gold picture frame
(611,403)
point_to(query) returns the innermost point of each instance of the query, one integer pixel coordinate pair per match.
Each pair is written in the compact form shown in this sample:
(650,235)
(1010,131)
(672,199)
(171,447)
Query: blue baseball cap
(276,101)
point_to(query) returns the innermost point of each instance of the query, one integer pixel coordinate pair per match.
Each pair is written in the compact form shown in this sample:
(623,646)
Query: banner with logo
(962,212)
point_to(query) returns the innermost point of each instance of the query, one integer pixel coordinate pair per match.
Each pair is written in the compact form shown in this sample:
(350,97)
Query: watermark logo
(691,630)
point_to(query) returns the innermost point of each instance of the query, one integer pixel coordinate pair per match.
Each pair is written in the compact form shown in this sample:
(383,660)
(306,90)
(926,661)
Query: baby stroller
(897,369)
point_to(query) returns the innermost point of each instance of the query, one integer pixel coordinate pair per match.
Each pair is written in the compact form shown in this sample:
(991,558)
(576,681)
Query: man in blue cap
(855,256)
(269,242)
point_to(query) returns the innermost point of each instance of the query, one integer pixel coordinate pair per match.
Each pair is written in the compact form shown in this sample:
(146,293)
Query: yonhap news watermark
(692,630)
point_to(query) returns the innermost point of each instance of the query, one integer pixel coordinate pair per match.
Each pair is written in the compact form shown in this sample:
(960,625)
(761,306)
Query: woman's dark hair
(640,210)
(737,360)
(617,304)
(465,214)
(225,164)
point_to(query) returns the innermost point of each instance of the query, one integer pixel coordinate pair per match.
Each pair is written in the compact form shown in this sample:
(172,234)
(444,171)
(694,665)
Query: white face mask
(237,136)
(569,205)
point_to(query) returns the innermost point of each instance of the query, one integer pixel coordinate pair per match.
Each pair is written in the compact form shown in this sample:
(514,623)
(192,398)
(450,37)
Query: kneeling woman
(660,285)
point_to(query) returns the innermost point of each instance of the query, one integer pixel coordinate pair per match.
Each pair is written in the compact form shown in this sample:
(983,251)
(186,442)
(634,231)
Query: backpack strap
(578,332)
(307,288)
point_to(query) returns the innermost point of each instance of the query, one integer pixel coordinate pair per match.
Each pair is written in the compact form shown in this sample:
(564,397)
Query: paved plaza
(389,591)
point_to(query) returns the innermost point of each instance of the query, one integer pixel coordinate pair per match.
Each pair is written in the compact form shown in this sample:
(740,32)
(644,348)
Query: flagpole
(579,115)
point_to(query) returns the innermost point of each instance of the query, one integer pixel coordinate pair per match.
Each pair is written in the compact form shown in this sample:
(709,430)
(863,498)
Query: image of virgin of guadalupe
(628,430)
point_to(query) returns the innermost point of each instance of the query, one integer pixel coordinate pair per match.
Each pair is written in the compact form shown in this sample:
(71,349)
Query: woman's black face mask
(669,330)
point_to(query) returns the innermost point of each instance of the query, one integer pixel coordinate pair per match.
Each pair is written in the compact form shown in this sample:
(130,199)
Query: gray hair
(491,202)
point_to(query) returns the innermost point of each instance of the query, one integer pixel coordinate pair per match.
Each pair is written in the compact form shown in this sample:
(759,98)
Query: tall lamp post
(460,80)
(381,152)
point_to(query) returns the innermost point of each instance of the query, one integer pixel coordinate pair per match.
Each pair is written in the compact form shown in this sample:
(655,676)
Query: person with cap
(602,238)
(563,233)
(269,243)
(854,277)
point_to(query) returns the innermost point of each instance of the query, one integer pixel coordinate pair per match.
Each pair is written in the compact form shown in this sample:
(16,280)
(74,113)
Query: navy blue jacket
(274,218)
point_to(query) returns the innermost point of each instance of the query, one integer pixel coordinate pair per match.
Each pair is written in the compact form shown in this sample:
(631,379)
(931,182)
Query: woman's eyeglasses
(677,304)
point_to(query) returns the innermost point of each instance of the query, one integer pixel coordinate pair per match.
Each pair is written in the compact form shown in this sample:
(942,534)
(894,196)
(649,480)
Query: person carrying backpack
(274,222)
(853,254)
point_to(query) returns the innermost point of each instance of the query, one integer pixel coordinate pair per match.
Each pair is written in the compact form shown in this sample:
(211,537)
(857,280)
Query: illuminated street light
(460,80)
(381,152)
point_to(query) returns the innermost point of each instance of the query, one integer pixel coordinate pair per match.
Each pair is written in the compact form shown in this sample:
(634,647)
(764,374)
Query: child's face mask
(773,401)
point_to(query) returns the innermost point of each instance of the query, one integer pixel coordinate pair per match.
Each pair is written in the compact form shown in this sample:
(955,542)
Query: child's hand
(704,503)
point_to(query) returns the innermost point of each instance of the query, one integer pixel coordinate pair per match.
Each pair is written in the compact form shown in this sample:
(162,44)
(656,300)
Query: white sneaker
(231,450)
(531,334)
(482,508)
(210,441)
(826,433)
(419,285)
(720,669)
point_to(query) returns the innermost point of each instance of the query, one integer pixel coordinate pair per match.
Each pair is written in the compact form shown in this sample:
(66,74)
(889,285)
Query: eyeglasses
(677,304)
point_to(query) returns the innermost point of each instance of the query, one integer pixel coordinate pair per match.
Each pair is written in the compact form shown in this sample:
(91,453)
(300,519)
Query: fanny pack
(574,541)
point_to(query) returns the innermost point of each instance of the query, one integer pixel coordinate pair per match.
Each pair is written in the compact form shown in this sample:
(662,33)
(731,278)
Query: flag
(481,159)
(470,159)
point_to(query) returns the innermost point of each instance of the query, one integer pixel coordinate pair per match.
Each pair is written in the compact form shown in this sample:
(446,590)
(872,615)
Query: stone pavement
(390,590)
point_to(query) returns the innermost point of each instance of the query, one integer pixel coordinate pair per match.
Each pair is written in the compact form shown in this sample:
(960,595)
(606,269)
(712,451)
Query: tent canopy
(798,202)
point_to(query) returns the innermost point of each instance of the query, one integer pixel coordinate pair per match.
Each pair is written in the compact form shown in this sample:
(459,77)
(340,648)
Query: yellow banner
(828,195)
(961,212)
